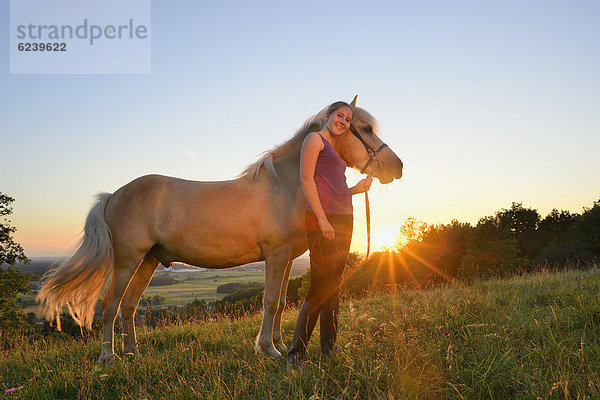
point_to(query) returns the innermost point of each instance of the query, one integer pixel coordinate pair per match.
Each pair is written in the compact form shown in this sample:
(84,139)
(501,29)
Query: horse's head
(359,149)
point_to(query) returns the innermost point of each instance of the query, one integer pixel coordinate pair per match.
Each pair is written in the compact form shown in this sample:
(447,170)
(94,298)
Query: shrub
(293,290)
(12,319)
(233,287)
(162,280)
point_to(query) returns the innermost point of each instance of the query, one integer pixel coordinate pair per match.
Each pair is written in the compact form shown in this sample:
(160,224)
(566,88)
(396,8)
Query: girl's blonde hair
(334,106)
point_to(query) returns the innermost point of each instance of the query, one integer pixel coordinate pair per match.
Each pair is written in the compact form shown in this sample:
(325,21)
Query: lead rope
(368,214)
(372,159)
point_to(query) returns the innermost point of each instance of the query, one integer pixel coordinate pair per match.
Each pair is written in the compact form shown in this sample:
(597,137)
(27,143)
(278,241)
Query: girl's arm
(311,147)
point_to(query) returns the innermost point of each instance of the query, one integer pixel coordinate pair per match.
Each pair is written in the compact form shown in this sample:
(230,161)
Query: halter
(372,152)
(372,158)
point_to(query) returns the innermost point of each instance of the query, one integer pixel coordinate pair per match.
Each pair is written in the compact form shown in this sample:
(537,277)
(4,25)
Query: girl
(329,229)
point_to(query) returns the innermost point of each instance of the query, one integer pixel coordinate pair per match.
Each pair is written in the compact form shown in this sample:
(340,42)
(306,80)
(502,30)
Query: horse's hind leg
(131,299)
(123,270)
(282,295)
(276,263)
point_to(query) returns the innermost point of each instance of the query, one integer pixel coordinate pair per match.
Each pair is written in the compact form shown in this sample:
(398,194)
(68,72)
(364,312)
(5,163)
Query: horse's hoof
(269,351)
(281,345)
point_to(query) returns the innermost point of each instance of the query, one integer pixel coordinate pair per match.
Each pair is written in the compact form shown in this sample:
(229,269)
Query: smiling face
(386,167)
(339,120)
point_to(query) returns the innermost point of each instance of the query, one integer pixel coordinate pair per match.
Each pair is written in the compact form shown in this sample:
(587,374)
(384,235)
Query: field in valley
(193,284)
(201,285)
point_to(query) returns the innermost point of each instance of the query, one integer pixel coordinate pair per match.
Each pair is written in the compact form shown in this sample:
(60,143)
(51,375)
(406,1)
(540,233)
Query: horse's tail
(78,281)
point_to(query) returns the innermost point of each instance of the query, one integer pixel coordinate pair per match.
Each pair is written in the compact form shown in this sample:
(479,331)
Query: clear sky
(485,102)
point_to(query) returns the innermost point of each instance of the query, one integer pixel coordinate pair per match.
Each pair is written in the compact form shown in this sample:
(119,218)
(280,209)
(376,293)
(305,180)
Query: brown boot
(329,324)
(307,319)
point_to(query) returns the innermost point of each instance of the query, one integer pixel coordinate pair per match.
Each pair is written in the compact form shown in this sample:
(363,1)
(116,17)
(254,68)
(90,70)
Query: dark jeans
(327,262)
(327,257)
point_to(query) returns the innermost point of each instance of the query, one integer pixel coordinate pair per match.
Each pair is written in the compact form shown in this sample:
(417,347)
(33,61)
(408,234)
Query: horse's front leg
(277,337)
(276,263)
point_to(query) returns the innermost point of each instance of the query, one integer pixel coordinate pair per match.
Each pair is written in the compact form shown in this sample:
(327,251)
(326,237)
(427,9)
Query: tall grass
(537,336)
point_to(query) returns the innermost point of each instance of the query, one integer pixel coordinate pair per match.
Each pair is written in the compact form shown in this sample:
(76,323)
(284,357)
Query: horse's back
(202,223)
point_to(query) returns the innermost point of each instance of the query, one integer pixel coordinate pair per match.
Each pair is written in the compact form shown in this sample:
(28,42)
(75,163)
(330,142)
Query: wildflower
(9,391)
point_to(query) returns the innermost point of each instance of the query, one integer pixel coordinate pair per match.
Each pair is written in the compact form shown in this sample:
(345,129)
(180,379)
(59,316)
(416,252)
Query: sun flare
(387,237)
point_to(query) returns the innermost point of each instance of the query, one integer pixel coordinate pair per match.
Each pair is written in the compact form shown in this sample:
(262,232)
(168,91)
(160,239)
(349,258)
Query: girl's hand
(326,229)
(363,185)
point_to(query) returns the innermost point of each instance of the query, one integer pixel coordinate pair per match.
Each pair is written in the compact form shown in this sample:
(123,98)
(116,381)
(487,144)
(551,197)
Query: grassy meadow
(531,337)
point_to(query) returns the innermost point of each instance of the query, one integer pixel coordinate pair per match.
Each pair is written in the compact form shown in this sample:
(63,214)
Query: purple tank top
(330,178)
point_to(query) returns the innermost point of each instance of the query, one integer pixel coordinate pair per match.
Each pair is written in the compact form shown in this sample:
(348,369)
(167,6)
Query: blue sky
(485,102)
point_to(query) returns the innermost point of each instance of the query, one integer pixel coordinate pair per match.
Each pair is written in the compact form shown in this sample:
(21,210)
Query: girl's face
(338,121)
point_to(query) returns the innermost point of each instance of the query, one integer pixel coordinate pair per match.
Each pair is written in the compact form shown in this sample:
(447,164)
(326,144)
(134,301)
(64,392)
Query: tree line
(515,240)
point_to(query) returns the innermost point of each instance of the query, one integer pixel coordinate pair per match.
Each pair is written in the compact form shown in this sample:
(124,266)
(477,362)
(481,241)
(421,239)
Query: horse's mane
(312,124)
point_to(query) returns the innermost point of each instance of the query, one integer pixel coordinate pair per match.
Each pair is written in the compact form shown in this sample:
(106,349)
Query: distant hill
(39,266)
(301,265)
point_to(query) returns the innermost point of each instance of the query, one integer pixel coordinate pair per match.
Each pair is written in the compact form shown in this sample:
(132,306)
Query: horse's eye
(369,129)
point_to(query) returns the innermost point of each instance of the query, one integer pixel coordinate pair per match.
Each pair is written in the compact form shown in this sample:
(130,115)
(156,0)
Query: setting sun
(386,237)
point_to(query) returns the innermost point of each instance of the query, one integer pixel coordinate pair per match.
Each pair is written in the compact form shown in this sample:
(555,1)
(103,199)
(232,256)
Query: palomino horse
(157,219)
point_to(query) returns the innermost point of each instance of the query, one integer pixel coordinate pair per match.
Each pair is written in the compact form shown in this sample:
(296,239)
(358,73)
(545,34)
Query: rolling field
(200,285)
(192,283)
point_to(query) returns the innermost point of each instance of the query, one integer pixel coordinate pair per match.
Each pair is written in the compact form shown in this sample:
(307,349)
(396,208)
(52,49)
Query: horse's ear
(353,103)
